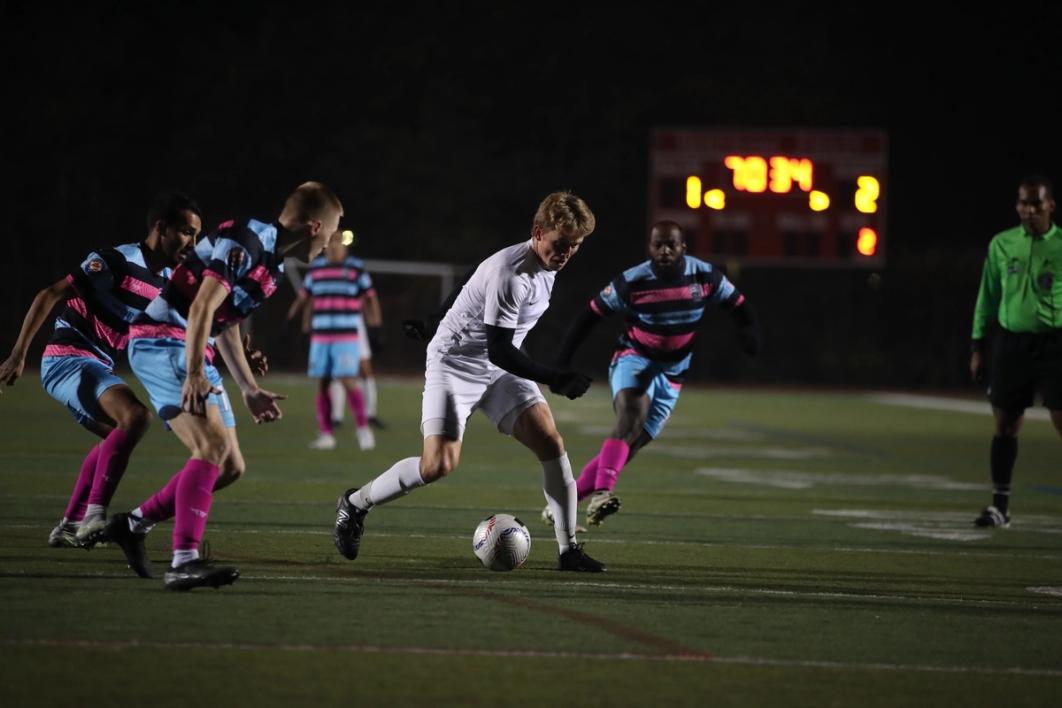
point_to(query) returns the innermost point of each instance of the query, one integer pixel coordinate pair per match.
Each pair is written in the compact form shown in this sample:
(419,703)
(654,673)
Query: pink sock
(584,486)
(75,509)
(113,459)
(324,412)
(160,506)
(357,407)
(613,456)
(195,490)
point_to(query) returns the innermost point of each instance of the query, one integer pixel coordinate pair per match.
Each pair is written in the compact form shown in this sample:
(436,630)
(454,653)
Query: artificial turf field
(773,549)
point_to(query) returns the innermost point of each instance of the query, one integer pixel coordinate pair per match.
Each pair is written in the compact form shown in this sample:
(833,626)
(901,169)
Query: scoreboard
(773,197)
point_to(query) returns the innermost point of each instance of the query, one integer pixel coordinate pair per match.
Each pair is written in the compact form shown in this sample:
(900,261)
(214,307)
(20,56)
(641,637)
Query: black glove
(415,329)
(570,383)
(376,339)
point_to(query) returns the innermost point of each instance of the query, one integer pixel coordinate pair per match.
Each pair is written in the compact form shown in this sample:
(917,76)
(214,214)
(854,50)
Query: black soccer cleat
(992,518)
(200,573)
(350,525)
(132,543)
(377,423)
(575,559)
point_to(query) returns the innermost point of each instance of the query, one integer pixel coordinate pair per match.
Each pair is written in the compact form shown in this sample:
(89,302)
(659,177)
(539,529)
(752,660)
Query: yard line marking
(799,479)
(118,645)
(1047,590)
(711,451)
(950,405)
(225,527)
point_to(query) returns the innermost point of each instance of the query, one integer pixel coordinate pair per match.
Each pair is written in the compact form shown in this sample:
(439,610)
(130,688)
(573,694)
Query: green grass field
(774,549)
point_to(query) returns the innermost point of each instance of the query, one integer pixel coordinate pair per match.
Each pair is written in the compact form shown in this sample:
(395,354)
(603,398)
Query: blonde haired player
(474,362)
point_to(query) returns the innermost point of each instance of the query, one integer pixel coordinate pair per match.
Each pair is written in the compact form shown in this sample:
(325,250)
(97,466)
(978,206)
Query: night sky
(442,126)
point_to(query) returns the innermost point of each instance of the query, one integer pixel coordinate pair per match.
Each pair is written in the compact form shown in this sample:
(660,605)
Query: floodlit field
(773,549)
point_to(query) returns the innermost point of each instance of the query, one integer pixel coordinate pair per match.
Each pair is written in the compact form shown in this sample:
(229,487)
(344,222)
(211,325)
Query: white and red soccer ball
(501,542)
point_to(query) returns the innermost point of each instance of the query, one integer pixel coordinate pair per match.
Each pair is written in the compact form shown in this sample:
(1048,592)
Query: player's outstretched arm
(38,312)
(503,354)
(578,331)
(261,403)
(748,327)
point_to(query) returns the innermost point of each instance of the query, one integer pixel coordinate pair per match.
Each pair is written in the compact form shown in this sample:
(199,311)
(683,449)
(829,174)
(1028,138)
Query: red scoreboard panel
(773,197)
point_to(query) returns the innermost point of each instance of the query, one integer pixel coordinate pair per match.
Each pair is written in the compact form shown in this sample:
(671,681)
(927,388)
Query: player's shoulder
(319,262)
(131,253)
(249,233)
(354,262)
(642,271)
(696,265)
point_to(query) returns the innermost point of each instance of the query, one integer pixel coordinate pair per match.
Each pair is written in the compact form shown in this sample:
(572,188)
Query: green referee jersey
(1021,284)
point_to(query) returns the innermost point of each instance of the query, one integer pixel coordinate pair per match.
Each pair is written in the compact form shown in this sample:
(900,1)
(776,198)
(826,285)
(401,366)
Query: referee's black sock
(1004,452)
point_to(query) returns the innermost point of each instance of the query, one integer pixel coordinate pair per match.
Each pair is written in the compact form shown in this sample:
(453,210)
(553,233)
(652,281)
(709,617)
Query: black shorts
(1022,365)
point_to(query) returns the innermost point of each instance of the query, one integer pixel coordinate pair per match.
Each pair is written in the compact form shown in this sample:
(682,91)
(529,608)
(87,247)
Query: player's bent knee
(135,420)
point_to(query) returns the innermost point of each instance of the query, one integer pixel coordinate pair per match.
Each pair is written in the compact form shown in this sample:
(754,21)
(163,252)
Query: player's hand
(259,362)
(977,367)
(571,384)
(415,329)
(11,369)
(263,405)
(195,392)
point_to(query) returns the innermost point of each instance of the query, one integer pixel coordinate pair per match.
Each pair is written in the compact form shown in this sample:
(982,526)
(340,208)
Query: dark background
(442,126)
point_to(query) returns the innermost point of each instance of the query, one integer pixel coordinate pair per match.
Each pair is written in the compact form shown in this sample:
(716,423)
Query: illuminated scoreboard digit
(773,197)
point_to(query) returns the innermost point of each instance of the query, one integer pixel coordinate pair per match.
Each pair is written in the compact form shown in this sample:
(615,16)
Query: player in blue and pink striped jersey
(230,273)
(110,288)
(341,292)
(663,301)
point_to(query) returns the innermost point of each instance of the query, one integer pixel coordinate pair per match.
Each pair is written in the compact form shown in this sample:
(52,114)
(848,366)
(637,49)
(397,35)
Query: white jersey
(510,289)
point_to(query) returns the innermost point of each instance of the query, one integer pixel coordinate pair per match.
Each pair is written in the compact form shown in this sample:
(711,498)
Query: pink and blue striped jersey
(337,290)
(113,287)
(663,315)
(241,255)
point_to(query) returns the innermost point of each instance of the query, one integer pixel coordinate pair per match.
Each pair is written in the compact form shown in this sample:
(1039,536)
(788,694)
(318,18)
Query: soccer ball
(501,542)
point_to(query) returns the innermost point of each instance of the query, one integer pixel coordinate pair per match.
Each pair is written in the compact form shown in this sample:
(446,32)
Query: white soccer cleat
(89,526)
(366,439)
(602,505)
(547,519)
(324,441)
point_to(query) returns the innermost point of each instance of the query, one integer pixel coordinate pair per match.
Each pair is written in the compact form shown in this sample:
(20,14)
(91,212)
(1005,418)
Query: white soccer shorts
(452,395)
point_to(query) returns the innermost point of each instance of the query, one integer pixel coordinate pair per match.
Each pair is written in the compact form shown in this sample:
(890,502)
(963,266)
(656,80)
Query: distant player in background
(231,272)
(368,340)
(1021,289)
(339,290)
(663,301)
(110,288)
(474,363)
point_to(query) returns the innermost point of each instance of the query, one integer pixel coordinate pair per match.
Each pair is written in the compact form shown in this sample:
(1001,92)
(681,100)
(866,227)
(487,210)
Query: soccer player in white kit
(474,362)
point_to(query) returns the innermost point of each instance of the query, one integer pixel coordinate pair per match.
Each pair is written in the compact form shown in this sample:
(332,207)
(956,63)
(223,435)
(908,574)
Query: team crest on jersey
(695,291)
(95,265)
(1014,267)
(236,258)
(607,291)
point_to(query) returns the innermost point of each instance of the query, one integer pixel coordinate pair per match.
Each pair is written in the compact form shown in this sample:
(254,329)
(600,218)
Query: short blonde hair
(313,201)
(566,213)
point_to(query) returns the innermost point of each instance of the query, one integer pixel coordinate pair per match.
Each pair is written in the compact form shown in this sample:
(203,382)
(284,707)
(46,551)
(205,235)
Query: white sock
(369,388)
(338,394)
(137,522)
(558,485)
(182,557)
(95,510)
(396,482)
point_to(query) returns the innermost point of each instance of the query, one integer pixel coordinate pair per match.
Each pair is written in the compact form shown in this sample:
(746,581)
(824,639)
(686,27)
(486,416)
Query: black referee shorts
(1023,364)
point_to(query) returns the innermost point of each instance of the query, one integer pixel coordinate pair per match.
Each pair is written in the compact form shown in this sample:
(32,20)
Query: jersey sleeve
(989,294)
(610,299)
(307,284)
(229,261)
(365,282)
(505,293)
(723,293)
(93,275)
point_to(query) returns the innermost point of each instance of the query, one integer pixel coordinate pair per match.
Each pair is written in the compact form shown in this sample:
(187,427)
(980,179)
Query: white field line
(625,541)
(799,479)
(117,645)
(1047,590)
(950,405)
(654,588)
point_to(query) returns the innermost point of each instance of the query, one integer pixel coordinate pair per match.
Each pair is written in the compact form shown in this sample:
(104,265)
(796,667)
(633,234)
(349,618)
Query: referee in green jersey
(1021,288)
